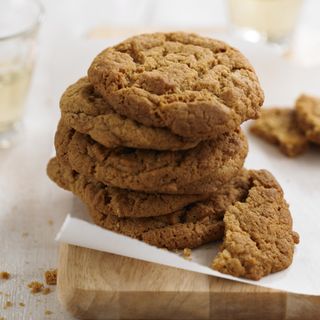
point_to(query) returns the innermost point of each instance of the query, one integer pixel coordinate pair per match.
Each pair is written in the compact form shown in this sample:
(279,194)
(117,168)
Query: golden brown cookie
(85,111)
(195,171)
(195,86)
(191,226)
(173,231)
(308,116)
(279,126)
(258,236)
(119,202)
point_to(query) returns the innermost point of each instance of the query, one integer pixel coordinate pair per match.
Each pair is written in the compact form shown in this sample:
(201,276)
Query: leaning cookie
(86,111)
(279,126)
(190,227)
(258,236)
(196,171)
(195,86)
(121,202)
(308,117)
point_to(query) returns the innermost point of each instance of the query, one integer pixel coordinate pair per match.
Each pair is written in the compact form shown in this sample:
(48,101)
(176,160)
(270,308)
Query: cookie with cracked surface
(195,86)
(308,116)
(86,111)
(279,126)
(258,236)
(196,171)
(190,227)
(119,202)
(173,231)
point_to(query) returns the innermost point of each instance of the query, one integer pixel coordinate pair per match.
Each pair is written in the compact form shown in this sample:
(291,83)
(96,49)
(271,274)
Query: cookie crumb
(7,305)
(50,222)
(2,318)
(25,234)
(296,237)
(21,304)
(186,252)
(35,287)
(4,275)
(46,290)
(51,276)
(48,312)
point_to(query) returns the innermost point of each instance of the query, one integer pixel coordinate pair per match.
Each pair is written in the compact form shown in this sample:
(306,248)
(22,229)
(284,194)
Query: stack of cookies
(151,142)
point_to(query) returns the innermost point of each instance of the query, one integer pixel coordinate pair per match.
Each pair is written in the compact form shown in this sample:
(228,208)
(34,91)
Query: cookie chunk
(308,116)
(195,86)
(192,226)
(195,171)
(279,126)
(119,202)
(258,236)
(86,111)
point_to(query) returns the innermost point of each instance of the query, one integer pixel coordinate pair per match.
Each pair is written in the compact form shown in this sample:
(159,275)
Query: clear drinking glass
(268,20)
(19,24)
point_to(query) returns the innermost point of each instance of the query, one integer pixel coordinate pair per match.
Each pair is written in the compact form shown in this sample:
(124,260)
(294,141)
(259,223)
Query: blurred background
(112,18)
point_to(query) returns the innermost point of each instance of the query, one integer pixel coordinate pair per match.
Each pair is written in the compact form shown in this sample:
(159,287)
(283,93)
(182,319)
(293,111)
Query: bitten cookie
(279,126)
(308,116)
(195,171)
(192,226)
(258,236)
(86,111)
(119,202)
(195,86)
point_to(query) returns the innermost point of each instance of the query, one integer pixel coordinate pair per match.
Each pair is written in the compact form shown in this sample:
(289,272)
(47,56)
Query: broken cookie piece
(35,287)
(279,126)
(51,276)
(258,236)
(308,116)
(4,275)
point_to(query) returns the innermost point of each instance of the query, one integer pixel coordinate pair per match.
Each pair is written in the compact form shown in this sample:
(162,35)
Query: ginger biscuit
(197,87)
(86,111)
(200,170)
(121,202)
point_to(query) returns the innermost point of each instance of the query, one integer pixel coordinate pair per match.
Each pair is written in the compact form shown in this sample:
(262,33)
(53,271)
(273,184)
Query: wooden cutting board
(98,285)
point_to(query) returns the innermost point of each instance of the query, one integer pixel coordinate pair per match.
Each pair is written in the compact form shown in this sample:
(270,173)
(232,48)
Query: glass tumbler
(19,24)
(272,21)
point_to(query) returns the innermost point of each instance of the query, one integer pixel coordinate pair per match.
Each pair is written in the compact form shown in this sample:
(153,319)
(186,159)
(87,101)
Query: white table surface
(28,200)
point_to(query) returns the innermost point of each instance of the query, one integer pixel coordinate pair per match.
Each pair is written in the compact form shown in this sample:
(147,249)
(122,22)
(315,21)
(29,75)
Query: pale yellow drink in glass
(272,20)
(19,23)
(14,84)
